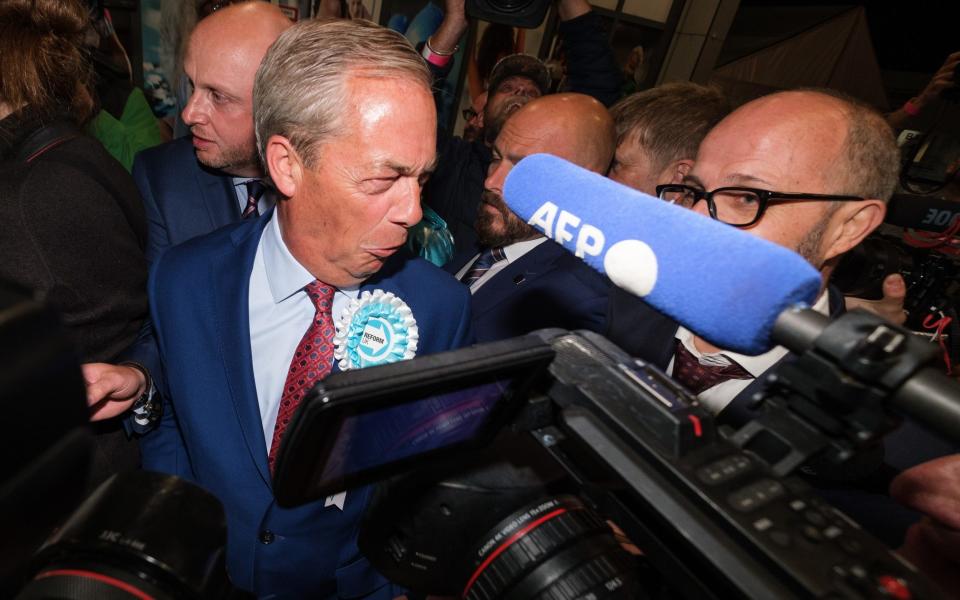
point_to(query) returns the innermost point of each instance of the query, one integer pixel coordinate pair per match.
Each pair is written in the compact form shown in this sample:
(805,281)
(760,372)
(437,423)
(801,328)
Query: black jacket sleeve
(591,67)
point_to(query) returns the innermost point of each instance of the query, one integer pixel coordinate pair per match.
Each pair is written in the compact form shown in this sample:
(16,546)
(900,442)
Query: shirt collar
(755,365)
(238,181)
(518,249)
(285,275)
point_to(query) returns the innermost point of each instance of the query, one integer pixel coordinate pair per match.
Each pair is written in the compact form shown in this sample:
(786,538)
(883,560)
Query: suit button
(266,537)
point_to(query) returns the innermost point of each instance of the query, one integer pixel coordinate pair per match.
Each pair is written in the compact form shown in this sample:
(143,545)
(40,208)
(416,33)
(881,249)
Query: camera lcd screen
(364,425)
(418,426)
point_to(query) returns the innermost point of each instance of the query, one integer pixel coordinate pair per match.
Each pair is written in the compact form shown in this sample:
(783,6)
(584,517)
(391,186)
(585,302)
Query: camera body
(138,534)
(598,436)
(931,277)
(919,241)
(517,13)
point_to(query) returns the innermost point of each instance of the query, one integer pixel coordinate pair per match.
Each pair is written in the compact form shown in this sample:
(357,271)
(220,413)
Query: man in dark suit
(248,318)
(836,147)
(838,161)
(591,68)
(193,185)
(520,280)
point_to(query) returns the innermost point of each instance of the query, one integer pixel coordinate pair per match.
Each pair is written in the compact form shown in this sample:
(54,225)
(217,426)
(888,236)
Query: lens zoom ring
(609,575)
(533,548)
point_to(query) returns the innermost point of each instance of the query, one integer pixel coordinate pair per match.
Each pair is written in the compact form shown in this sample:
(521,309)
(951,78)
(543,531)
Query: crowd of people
(276,233)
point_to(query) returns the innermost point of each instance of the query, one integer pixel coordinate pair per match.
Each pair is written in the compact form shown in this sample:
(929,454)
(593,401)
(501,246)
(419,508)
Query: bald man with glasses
(811,171)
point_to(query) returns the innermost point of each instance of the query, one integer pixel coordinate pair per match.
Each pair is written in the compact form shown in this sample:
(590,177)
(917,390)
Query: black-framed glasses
(468,113)
(738,206)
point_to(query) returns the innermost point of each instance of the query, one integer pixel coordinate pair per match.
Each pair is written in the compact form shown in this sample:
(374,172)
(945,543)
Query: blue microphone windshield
(726,285)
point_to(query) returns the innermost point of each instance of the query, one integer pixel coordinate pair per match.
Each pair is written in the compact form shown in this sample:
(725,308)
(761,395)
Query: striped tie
(255,189)
(483,263)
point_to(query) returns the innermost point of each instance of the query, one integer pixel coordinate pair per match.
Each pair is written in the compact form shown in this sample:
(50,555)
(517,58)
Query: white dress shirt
(280,313)
(512,252)
(719,396)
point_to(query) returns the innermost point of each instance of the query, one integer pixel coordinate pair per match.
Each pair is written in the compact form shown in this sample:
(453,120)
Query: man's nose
(495,177)
(193,112)
(701,207)
(408,211)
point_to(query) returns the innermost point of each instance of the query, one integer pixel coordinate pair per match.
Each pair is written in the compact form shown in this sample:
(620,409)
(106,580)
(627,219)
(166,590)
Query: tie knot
(255,189)
(697,377)
(482,264)
(321,295)
(490,256)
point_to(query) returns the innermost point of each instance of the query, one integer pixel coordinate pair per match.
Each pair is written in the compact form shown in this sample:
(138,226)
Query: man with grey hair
(250,317)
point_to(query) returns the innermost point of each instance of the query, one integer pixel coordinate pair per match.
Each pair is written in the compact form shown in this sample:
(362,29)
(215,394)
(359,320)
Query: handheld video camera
(500,467)
(139,534)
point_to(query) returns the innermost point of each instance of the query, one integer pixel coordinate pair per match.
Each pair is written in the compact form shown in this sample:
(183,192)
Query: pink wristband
(435,59)
(910,108)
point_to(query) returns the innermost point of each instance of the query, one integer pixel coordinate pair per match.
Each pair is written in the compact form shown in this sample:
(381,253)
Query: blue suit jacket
(213,434)
(182,198)
(546,287)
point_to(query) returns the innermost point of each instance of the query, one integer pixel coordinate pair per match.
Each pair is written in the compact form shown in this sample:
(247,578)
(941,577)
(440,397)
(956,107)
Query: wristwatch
(147,409)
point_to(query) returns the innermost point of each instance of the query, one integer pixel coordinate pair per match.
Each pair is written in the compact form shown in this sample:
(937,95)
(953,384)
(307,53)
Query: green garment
(136,130)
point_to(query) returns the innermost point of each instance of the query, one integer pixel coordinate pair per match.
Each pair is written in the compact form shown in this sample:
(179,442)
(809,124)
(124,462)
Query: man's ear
(853,222)
(479,119)
(284,165)
(680,169)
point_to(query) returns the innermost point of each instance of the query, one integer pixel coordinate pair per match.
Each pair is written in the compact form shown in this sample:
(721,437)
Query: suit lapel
(231,276)
(521,272)
(219,197)
(463,254)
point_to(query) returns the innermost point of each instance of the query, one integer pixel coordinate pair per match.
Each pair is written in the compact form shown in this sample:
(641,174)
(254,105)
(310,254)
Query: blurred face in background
(510,95)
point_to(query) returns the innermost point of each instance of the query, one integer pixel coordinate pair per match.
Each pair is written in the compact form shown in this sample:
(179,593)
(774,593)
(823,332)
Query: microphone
(726,285)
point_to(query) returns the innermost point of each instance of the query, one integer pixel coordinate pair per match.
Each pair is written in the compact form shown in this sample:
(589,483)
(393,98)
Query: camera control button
(266,537)
(723,470)
(832,532)
(755,495)
(762,524)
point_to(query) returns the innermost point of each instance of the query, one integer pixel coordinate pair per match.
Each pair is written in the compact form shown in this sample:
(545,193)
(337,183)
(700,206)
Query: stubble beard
(809,246)
(232,160)
(512,229)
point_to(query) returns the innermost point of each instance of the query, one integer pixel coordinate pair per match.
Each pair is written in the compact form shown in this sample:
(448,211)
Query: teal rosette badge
(375,329)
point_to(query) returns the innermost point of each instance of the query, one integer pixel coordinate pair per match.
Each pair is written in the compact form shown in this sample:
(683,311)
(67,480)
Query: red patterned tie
(255,190)
(697,377)
(311,362)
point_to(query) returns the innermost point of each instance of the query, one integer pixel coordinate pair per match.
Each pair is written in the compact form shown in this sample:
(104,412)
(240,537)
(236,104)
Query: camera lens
(553,549)
(139,535)
(509,6)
